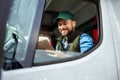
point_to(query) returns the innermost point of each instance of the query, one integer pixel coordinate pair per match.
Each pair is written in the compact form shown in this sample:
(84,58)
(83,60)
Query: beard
(66,32)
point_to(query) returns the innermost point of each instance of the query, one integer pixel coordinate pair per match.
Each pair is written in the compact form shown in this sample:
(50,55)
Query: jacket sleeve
(86,42)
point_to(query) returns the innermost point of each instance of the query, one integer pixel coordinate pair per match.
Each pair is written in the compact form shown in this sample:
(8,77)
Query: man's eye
(59,24)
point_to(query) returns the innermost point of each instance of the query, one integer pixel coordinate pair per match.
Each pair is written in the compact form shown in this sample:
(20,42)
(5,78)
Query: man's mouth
(64,31)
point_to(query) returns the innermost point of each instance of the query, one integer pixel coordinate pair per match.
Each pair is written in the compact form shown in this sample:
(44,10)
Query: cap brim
(56,19)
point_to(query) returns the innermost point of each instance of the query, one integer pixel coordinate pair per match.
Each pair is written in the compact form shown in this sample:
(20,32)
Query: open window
(86,15)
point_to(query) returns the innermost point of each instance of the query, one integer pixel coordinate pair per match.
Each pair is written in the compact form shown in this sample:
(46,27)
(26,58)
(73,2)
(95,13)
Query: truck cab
(24,24)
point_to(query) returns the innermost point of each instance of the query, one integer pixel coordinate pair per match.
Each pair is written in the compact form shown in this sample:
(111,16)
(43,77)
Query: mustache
(63,29)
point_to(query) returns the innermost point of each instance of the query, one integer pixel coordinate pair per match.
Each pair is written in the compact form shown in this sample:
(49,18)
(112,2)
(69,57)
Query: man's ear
(74,23)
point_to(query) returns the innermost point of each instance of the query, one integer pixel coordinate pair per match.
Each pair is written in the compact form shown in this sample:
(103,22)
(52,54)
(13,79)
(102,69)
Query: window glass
(19,26)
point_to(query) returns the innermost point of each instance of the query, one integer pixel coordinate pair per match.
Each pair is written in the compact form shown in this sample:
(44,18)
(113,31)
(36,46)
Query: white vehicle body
(101,64)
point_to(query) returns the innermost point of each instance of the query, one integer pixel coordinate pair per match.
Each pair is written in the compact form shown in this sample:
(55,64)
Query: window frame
(100,38)
(30,54)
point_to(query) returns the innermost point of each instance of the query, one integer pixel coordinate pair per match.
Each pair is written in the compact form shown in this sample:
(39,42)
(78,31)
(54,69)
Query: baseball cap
(64,15)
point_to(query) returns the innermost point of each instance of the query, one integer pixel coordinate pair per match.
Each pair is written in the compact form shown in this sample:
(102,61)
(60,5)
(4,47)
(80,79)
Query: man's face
(66,26)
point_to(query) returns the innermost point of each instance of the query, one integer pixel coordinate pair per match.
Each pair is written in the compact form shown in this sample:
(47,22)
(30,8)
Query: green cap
(64,15)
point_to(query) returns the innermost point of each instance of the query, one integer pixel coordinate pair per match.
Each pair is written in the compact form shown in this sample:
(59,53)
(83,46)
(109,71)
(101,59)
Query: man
(69,41)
